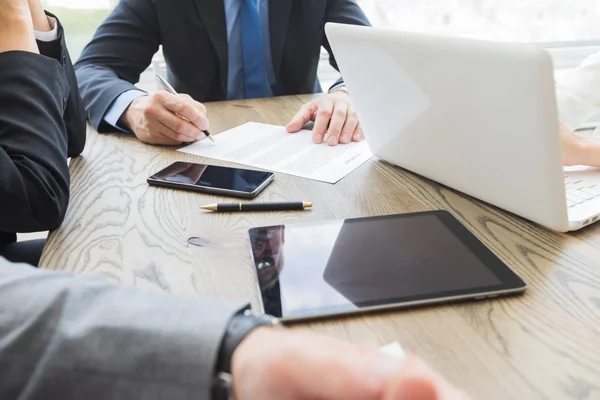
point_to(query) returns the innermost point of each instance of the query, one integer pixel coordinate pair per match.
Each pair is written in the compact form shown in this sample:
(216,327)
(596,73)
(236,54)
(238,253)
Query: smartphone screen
(190,175)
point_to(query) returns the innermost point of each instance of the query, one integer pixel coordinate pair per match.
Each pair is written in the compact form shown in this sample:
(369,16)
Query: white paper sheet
(393,349)
(271,148)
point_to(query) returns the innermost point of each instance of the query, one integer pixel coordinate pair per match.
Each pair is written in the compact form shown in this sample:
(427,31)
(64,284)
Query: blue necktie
(253,59)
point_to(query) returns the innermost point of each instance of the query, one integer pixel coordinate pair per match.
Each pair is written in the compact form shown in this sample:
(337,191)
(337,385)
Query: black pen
(237,207)
(163,82)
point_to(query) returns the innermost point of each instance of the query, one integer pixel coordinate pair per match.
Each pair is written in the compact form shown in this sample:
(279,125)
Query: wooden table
(543,345)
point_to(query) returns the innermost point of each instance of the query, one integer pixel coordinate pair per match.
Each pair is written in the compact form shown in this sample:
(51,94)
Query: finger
(153,133)
(302,117)
(338,371)
(415,388)
(416,376)
(337,123)
(171,136)
(186,108)
(197,113)
(179,128)
(367,347)
(350,126)
(160,138)
(323,116)
(166,137)
(358,133)
(199,106)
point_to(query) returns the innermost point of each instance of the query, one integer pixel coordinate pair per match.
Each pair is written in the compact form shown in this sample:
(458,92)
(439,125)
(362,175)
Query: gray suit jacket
(65,336)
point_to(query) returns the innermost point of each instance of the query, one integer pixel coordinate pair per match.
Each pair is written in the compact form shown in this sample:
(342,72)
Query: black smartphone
(234,182)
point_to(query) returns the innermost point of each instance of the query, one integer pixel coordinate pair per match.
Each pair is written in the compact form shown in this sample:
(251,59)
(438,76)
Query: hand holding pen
(170,89)
(163,117)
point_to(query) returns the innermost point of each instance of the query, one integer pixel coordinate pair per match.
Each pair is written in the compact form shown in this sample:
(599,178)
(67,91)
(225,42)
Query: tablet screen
(339,266)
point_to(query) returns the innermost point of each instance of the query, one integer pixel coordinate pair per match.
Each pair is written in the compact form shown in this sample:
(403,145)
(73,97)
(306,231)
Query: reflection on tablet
(378,261)
(267,245)
(338,267)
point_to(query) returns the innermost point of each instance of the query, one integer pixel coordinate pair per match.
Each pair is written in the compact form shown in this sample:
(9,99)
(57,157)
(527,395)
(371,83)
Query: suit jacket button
(64,60)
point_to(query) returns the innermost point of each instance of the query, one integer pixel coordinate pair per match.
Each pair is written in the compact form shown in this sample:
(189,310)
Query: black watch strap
(239,327)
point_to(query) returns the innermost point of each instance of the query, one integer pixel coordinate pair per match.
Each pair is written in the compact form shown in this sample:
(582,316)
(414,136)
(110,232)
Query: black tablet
(317,270)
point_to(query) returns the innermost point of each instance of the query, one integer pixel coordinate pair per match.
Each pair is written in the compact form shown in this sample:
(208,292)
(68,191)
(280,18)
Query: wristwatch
(239,327)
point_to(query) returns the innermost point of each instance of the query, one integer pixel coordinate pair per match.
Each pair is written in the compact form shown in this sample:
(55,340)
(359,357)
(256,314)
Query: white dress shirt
(48,36)
(578,94)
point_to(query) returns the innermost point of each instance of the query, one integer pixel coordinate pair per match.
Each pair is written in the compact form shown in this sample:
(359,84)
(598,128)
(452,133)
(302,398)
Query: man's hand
(578,149)
(16,27)
(166,119)
(279,364)
(335,119)
(38,16)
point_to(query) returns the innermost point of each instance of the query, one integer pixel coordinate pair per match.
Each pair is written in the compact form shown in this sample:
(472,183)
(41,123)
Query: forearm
(75,337)
(38,16)
(100,87)
(120,51)
(16,34)
(74,114)
(590,150)
(33,143)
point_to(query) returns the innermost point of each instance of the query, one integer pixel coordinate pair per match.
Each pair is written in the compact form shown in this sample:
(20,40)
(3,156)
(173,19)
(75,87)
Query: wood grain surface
(542,345)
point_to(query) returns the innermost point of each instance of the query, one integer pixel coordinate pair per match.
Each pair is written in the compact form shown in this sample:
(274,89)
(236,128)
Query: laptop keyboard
(580,191)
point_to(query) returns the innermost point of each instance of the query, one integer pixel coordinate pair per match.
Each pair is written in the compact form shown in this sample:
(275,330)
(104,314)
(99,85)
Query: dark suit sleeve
(120,51)
(34,176)
(74,116)
(343,12)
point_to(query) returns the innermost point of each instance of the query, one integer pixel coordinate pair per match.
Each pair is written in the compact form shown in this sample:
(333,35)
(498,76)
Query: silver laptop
(476,116)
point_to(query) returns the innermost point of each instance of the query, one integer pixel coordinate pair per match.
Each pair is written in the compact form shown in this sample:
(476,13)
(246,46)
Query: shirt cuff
(340,85)
(118,107)
(48,36)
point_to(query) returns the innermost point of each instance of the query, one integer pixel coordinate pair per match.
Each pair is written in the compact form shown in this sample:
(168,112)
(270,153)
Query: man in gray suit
(214,50)
(65,336)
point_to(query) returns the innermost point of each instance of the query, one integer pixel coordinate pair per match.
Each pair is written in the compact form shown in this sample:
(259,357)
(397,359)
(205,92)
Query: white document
(271,148)
(393,349)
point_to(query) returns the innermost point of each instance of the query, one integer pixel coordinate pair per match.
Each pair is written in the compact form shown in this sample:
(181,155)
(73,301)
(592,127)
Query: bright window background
(508,20)
(569,28)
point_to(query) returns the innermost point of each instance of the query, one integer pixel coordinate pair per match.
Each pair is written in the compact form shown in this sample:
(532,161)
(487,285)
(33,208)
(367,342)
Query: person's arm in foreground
(34,177)
(51,43)
(68,336)
(579,149)
(578,97)
(65,336)
(335,118)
